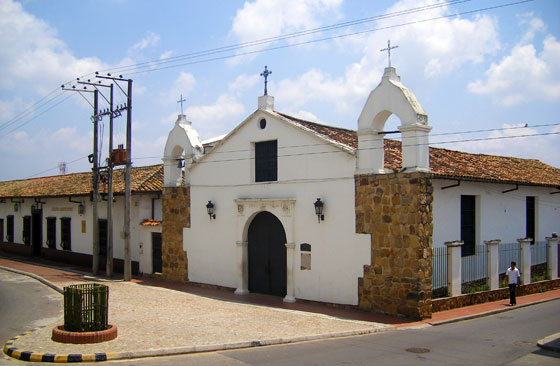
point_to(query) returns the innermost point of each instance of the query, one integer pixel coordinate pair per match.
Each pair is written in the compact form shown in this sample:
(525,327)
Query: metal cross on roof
(265,73)
(181,100)
(388,49)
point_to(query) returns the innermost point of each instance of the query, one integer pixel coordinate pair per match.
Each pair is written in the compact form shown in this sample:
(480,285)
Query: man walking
(512,276)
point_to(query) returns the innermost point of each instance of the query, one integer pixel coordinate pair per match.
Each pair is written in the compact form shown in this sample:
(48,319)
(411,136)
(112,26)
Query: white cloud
(264,19)
(442,45)
(150,40)
(523,75)
(31,53)
(243,82)
(217,118)
(182,85)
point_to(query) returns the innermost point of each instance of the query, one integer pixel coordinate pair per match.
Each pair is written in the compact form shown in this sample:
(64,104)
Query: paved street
(19,304)
(503,339)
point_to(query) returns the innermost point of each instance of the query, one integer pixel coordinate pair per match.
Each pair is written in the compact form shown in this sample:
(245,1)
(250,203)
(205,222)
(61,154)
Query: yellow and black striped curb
(49,357)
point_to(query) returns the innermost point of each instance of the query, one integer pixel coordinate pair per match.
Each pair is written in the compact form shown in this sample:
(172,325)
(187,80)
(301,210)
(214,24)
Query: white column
(415,149)
(243,265)
(453,267)
(290,255)
(371,152)
(552,266)
(525,265)
(493,260)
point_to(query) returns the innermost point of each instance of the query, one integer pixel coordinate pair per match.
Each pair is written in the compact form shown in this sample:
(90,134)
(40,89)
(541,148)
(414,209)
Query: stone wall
(396,209)
(448,303)
(176,214)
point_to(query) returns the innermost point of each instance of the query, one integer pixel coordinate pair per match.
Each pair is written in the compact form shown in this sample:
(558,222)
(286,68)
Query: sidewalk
(156,317)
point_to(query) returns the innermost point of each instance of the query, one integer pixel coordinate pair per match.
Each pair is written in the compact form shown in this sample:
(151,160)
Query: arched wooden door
(267,255)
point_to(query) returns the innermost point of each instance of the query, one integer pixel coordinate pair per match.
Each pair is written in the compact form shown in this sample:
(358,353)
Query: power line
(149,64)
(133,72)
(234,47)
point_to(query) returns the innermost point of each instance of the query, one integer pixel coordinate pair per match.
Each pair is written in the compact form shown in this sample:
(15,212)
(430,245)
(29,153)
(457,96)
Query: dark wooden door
(102,238)
(37,230)
(267,255)
(156,253)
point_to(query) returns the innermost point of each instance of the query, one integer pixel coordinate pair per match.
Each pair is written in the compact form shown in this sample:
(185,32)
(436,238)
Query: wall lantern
(210,210)
(319,210)
(16,207)
(81,209)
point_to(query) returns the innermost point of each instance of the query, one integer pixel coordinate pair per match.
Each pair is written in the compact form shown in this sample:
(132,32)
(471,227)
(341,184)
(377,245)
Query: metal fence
(439,272)
(539,253)
(474,271)
(539,261)
(86,307)
(508,252)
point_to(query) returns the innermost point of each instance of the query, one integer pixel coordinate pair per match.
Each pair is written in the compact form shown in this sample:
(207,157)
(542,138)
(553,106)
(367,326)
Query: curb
(548,343)
(34,276)
(49,357)
(108,356)
(491,312)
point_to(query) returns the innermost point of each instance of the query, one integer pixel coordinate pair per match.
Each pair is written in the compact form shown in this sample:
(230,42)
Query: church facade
(292,208)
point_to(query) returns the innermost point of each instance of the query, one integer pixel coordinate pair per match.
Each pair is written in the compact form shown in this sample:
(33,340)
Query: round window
(262,123)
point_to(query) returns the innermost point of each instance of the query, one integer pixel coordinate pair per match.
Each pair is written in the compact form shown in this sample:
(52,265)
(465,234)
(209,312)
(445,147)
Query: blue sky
(471,69)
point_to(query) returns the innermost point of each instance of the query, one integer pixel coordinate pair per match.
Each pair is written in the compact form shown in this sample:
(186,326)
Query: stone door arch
(249,209)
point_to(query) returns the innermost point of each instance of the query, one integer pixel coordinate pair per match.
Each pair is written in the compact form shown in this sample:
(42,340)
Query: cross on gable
(265,73)
(388,49)
(181,100)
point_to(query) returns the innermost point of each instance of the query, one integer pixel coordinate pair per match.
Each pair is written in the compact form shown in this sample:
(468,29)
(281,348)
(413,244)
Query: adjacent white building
(53,217)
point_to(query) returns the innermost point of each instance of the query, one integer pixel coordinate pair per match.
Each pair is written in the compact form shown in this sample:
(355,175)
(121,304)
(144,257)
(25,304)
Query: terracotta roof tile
(452,164)
(150,222)
(144,180)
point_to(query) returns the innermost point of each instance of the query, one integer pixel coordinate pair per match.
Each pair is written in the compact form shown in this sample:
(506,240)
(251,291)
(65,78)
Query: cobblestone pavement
(151,318)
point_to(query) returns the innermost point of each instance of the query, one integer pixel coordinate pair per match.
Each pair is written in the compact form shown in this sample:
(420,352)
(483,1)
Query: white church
(296,209)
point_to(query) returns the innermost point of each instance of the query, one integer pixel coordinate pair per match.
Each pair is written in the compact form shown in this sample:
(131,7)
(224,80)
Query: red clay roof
(151,222)
(145,179)
(452,164)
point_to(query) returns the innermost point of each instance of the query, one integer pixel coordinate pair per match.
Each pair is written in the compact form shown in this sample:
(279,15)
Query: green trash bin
(86,307)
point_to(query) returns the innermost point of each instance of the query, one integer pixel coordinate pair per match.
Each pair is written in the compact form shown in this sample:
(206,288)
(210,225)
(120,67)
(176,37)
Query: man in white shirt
(512,275)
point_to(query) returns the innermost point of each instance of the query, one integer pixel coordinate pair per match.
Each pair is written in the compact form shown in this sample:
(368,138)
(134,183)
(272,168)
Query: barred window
(65,233)
(26,234)
(51,232)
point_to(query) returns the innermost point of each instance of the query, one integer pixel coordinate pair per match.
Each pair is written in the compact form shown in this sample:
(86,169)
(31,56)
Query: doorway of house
(267,255)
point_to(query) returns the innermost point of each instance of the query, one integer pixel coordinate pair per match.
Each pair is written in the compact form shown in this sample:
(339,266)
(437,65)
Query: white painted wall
(499,215)
(308,168)
(81,242)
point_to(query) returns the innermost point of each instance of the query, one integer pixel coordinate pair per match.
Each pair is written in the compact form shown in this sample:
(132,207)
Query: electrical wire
(142,65)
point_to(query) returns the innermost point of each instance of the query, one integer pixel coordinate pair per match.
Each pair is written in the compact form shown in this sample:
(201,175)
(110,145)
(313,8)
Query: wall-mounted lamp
(210,210)
(16,207)
(81,209)
(319,210)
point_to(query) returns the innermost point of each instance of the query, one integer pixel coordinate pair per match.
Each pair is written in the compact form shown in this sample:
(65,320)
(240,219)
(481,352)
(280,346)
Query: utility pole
(109,269)
(128,163)
(95,184)
(98,116)
(95,176)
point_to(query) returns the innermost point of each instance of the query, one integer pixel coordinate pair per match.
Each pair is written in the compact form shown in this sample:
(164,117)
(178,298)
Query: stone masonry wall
(176,214)
(396,209)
